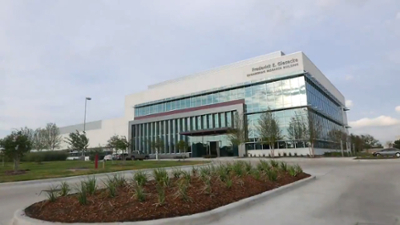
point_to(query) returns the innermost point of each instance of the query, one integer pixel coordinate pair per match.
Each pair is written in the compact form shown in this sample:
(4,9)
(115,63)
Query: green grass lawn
(76,168)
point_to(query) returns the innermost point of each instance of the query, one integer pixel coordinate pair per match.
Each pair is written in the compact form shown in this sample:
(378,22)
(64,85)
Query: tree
(157,145)
(16,145)
(339,137)
(3,157)
(370,142)
(78,141)
(396,144)
(182,146)
(237,133)
(39,139)
(314,130)
(118,143)
(297,129)
(389,144)
(269,130)
(53,137)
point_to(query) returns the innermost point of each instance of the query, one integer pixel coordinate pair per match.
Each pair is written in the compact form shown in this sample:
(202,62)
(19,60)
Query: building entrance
(213,148)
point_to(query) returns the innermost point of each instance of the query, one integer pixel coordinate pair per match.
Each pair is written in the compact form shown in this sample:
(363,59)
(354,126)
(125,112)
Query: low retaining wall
(196,219)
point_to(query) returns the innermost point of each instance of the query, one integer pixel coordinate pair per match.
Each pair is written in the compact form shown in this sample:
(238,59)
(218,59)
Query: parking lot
(346,191)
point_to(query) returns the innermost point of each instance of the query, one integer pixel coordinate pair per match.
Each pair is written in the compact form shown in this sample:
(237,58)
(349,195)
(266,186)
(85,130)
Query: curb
(97,175)
(196,219)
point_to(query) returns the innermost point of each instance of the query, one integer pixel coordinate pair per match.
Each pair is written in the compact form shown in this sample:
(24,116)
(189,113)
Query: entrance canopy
(215,131)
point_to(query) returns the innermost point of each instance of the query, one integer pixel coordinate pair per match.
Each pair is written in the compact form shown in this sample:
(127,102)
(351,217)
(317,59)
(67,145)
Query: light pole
(84,119)
(84,123)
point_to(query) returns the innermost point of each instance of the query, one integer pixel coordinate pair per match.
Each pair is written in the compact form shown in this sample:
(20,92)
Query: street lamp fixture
(84,119)
(84,123)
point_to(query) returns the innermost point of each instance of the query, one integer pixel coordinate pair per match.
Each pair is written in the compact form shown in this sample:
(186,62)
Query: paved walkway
(346,192)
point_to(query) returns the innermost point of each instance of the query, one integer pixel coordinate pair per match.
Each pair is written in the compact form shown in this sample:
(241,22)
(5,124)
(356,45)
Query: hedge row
(45,156)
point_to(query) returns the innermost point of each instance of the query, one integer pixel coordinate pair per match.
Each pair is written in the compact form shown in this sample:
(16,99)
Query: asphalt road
(345,192)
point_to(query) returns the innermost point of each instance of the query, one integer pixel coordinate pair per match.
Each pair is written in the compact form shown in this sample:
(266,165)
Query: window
(204,118)
(229,119)
(216,120)
(222,118)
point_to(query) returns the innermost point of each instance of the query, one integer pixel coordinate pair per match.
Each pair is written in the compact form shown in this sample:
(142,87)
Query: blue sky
(54,53)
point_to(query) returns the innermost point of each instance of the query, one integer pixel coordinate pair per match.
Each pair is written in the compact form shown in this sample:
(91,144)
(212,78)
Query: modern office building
(202,108)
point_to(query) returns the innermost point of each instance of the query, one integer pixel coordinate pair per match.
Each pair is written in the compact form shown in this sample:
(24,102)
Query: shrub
(139,193)
(81,193)
(237,168)
(161,177)
(119,180)
(292,171)
(295,154)
(223,172)
(64,188)
(279,154)
(272,175)
(290,154)
(274,163)
(256,174)
(263,155)
(283,166)
(111,187)
(90,185)
(186,175)
(98,151)
(228,182)
(177,172)
(140,178)
(195,170)
(263,166)
(52,193)
(161,194)
(207,184)
(205,171)
(284,154)
(182,190)
(248,167)
(45,156)
(298,169)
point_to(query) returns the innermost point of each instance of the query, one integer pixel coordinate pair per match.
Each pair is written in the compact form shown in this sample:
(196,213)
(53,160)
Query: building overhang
(206,132)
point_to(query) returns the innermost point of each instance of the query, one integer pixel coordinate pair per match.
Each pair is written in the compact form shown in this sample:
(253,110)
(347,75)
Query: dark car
(388,152)
(123,155)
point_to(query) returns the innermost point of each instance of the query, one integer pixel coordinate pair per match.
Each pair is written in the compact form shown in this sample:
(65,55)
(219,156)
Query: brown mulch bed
(13,172)
(125,207)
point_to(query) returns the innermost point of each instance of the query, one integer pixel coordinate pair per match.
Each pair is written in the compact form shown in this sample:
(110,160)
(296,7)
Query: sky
(55,53)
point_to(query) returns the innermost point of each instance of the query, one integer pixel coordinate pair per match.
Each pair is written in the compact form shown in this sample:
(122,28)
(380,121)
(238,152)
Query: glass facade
(294,96)
(169,131)
(258,97)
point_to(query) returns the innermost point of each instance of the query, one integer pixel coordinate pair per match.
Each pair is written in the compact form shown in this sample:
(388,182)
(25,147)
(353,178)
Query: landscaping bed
(167,195)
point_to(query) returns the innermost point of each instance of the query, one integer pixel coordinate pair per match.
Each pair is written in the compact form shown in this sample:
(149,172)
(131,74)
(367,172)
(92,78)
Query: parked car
(108,157)
(138,155)
(77,155)
(391,152)
(124,155)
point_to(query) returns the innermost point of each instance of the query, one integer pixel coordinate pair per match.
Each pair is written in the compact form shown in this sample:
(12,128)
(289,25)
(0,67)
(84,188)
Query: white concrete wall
(299,151)
(99,137)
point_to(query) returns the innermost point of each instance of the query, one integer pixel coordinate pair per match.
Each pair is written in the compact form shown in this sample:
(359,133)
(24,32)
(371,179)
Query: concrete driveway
(346,192)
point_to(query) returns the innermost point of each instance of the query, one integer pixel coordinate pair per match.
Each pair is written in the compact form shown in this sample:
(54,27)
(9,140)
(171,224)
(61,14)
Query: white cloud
(397,108)
(380,121)
(349,103)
